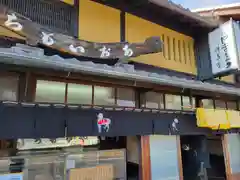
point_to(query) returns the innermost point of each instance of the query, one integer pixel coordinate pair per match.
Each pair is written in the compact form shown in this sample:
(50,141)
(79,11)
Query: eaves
(191,16)
(34,57)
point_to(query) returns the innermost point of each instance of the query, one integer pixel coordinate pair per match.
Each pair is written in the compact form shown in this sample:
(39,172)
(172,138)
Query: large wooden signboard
(36,33)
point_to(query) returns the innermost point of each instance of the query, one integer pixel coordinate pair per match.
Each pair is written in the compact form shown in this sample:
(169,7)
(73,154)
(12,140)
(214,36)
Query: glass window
(104,95)
(193,102)
(233,146)
(8,88)
(232,105)
(219,104)
(186,103)
(153,100)
(164,157)
(50,91)
(173,101)
(79,94)
(207,103)
(125,97)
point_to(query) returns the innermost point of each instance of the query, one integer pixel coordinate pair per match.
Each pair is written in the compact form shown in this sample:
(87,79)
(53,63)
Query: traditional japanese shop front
(100,136)
(163,114)
(49,122)
(61,92)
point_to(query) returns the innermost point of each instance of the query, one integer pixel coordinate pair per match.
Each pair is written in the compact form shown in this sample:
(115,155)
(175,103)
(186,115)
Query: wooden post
(145,159)
(226,156)
(179,154)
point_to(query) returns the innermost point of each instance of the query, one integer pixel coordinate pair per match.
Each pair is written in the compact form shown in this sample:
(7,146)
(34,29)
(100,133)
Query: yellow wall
(98,23)
(229,78)
(8,33)
(71,2)
(178,48)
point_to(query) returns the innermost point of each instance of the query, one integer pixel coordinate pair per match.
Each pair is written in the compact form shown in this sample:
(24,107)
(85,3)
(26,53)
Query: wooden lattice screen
(56,15)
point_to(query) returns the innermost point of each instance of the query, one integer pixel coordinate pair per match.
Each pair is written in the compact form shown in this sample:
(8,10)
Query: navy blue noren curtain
(50,122)
(79,122)
(16,121)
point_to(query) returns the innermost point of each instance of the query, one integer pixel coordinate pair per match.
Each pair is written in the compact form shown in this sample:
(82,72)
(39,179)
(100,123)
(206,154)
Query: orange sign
(101,172)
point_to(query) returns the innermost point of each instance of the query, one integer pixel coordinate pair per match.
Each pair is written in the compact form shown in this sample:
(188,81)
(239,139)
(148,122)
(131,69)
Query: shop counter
(65,165)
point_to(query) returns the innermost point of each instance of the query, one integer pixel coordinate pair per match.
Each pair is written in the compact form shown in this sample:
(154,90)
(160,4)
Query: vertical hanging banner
(224,48)
(38,34)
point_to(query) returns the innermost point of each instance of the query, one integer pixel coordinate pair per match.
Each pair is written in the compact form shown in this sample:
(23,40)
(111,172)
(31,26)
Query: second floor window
(104,96)
(79,93)
(207,103)
(125,97)
(72,93)
(232,105)
(8,88)
(50,91)
(186,103)
(173,102)
(153,100)
(219,104)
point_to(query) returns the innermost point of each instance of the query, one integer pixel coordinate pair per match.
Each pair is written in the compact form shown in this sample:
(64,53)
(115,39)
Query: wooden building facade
(225,13)
(147,97)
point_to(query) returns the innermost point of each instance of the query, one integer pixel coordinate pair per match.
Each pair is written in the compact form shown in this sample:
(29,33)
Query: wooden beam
(227,12)
(145,158)
(226,156)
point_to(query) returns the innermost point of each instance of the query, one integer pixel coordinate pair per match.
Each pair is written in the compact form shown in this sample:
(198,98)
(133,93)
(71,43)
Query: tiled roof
(27,56)
(210,23)
(225,6)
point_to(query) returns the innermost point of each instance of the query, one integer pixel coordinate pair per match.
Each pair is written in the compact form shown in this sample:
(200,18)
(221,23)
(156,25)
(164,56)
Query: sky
(194,4)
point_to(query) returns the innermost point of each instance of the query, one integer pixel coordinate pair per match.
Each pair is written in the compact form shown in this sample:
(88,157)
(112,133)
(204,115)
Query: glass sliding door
(233,150)
(164,157)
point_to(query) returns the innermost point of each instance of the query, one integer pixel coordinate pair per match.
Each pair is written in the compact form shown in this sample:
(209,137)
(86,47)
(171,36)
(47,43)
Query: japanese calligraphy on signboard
(36,33)
(225,48)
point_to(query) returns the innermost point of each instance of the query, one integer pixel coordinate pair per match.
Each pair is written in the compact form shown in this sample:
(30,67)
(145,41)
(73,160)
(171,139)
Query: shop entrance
(202,158)
(132,146)
(120,152)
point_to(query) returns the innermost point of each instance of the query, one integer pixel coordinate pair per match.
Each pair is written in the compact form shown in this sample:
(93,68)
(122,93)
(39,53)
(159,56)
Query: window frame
(219,100)
(139,100)
(143,101)
(18,85)
(80,82)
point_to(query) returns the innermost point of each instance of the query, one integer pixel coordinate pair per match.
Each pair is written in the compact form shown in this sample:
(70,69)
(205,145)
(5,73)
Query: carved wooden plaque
(36,33)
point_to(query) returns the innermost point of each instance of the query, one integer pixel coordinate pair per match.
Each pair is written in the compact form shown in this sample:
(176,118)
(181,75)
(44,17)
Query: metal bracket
(122,61)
